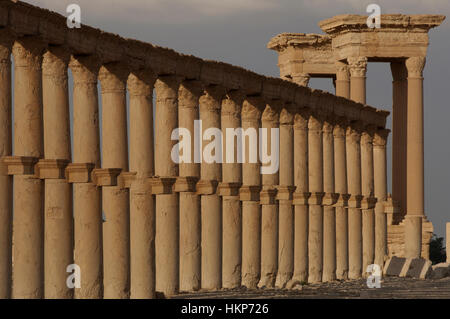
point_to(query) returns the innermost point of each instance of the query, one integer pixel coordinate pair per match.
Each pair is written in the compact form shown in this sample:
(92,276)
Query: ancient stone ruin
(168,227)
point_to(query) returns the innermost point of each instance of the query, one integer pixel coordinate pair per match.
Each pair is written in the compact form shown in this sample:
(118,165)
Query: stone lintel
(106,176)
(18,165)
(249,193)
(51,168)
(368,202)
(268,196)
(185,184)
(228,189)
(79,172)
(125,179)
(162,185)
(285,192)
(301,198)
(330,199)
(355,201)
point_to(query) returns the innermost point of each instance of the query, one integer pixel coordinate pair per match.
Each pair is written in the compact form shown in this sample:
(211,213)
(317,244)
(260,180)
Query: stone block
(185,184)
(394,266)
(228,189)
(79,172)
(419,268)
(207,187)
(440,271)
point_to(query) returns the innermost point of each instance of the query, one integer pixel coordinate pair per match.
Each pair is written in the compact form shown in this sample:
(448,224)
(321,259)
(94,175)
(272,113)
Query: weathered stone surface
(394,266)
(440,271)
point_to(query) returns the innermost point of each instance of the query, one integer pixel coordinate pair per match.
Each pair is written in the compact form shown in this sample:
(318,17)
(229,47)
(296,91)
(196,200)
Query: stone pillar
(380,181)
(329,213)
(342,80)
(142,213)
(368,203)
(229,190)
(28,222)
(448,242)
(116,228)
(315,233)
(269,207)
(353,145)
(58,193)
(211,206)
(358,68)
(399,142)
(5,181)
(301,79)
(340,182)
(285,196)
(190,216)
(86,195)
(300,201)
(167,214)
(249,194)
(415,159)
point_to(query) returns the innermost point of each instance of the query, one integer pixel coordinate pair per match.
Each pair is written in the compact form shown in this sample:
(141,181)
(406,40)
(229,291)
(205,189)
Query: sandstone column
(368,204)
(167,215)
(415,159)
(28,222)
(58,193)
(87,196)
(249,194)
(380,181)
(116,228)
(399,142)
(229,190)
(5,181)
(269,207)
(340,182)
(358,68)
(142,213)
(354,212)
(342,80)
(300,201)
(329,213)
(190,215)
(315,235)
(211,206)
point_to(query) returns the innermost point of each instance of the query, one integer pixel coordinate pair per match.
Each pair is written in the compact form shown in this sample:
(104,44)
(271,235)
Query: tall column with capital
(190,214)
(28,222)
(167,214)
(301,79)
(58,193)
(353,147)
(229,190)
(340,186)
(329,213)
(315,233)
(116,228)
(250,194)
(269,207)
(380,183)
(358,68)
(142,214)
(211,174)
(342,79)
(87,200)
(6,185)
(399,128)
(300,199)
(368,203)
(415,159)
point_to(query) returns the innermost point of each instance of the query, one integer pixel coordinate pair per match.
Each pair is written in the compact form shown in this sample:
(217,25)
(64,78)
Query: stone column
(249,194)
(58,193)
(167,214)
(315,233)
(380,181)
(340,186)
(28,222)
(87,196)
(342,80)
(6,185)
(300,201)
(190,215)
(358,68)
(399,142)
(229,190)
(285,198)
(368,203)
(269,207)
(415,159)
(211,206)
(329,213)
(353,145)
(142,213)
(116,228)
(447,234)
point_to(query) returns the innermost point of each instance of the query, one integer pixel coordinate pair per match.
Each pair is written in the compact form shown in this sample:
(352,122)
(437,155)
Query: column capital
(141,83)
(55,62)
(327,127)
(415,66)
(271,114)
(301,79)
(113,77)
(211,99)
(287,115)
(340,126)
(380,138)
(342,71)
(315,124)
(353,132)
(368,134)
(28,52)
(84,69)
(301,119)
(232,103)
(252,108)
(167,87)
(357,66)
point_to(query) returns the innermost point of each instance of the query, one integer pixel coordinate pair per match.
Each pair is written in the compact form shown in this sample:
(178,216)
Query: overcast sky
(237,31)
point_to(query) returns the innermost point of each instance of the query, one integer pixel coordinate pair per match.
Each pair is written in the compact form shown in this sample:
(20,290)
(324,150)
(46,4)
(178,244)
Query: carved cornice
(357,66)
(415,66)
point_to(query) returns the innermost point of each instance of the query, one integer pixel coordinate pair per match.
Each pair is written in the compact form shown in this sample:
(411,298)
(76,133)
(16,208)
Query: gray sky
(237,31)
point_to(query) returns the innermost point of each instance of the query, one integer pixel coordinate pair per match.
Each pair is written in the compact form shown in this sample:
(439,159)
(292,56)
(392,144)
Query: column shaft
(358,67)
(342,80)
